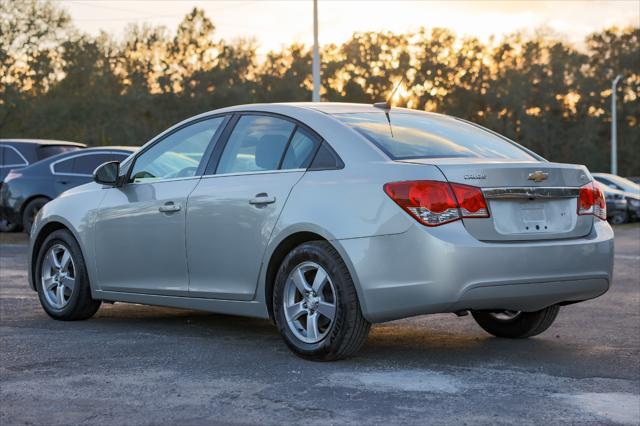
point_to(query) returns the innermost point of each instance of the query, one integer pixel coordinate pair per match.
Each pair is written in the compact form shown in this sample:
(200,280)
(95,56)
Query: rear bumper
(9,208)
(445,269)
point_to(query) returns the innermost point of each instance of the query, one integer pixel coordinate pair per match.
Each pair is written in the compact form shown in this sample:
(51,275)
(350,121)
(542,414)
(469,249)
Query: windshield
(407,135)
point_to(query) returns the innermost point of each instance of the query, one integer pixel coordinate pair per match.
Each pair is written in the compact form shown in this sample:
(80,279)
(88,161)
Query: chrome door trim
(259,172)
(530,192)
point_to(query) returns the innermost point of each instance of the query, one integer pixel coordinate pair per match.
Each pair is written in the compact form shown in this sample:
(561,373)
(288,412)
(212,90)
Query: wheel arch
(288,243)
(36,243)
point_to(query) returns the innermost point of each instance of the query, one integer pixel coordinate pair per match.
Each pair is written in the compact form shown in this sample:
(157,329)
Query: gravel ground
(142,365)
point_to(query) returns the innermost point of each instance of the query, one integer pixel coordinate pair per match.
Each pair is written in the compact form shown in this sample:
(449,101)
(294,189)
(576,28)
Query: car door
(78,169)
(232,211)
(140,226)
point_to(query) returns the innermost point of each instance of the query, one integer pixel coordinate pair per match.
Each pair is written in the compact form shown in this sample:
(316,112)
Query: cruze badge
(475,176)
(538,176)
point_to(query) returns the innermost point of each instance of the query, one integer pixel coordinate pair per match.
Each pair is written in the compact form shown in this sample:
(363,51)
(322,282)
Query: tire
(30,211)
(335,338)
(6,226)
(516,325)
(618,218)
(76,302)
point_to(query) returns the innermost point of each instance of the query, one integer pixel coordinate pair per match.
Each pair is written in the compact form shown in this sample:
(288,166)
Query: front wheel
(516,324)
(315,304)
(62,281)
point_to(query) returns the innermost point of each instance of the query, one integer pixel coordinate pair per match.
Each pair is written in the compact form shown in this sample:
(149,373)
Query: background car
(25,191)
(617,205)
(617,182)
(19,153)
(622,187)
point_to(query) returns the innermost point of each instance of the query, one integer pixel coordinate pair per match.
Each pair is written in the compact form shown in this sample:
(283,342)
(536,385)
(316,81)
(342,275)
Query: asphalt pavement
(141,365)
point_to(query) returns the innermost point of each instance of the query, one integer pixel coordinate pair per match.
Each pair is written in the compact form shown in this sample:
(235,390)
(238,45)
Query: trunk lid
(527,200)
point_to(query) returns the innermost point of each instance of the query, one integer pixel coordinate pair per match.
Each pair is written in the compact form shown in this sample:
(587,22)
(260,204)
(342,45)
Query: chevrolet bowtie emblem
(538,176)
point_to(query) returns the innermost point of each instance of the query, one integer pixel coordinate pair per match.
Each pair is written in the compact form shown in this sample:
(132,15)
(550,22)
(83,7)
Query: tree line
(545,93)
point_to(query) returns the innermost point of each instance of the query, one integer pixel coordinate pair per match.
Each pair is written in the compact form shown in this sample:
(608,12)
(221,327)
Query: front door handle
(169,207)
(262,199)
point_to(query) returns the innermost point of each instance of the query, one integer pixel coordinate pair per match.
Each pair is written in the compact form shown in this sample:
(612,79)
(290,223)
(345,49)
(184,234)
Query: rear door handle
(169,207)
(261,199)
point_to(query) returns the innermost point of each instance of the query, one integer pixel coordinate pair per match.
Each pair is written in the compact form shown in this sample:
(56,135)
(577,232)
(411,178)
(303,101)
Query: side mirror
(107,173)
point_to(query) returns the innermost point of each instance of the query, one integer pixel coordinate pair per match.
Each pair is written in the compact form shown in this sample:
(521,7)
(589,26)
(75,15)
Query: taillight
(12,175)
(592,201)
(434,203)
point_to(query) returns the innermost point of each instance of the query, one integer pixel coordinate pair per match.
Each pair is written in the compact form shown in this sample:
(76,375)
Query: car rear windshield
(412,135)
(46,151)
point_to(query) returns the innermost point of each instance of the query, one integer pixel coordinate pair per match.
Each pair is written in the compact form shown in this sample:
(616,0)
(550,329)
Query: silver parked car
(327,218)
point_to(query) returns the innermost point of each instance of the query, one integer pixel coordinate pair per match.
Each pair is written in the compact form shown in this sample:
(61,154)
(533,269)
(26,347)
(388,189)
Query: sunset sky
(277,23)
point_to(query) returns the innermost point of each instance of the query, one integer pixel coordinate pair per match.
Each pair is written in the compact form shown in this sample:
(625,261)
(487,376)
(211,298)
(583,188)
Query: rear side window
(46,151)
(256,144)
(407,135)
(326,159)
(86,164)
(301,149)
(10,157)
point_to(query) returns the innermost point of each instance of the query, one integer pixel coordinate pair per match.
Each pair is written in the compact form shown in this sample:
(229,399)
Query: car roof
(42,142)
(324,107)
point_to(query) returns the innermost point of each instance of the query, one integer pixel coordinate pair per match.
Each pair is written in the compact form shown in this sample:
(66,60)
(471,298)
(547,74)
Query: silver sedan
(327,218)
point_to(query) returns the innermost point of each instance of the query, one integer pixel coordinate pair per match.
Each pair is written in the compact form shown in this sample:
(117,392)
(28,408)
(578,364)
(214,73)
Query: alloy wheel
(505,315)
(310,301)
(58,275)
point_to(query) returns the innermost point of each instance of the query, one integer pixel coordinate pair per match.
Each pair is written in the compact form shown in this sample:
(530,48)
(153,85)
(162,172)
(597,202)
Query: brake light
(591,201)
(434,203)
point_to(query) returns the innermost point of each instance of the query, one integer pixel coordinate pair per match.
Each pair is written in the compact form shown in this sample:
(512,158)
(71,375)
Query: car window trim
(259,172)
(212,143)
(81,154)
(26,163)
(216,155)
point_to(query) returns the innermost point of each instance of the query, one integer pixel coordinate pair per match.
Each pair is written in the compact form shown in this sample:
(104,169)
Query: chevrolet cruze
(327,218)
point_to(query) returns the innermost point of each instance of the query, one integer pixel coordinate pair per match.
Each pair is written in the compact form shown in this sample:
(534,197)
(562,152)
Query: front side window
(412,135)
(177,155)
(256,144)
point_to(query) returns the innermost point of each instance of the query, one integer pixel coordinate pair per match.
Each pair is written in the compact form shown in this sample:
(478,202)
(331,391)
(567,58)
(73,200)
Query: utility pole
(614,126)
(315,97)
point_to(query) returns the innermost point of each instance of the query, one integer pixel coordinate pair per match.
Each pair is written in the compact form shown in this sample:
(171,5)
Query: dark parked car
(19,153)
(617,205)
(25,191)
(625,188)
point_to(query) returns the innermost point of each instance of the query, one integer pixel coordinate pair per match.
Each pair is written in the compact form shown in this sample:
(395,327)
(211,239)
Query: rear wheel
(619,217)
(516,324)
(316,306)
(30,211)
(61,279)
